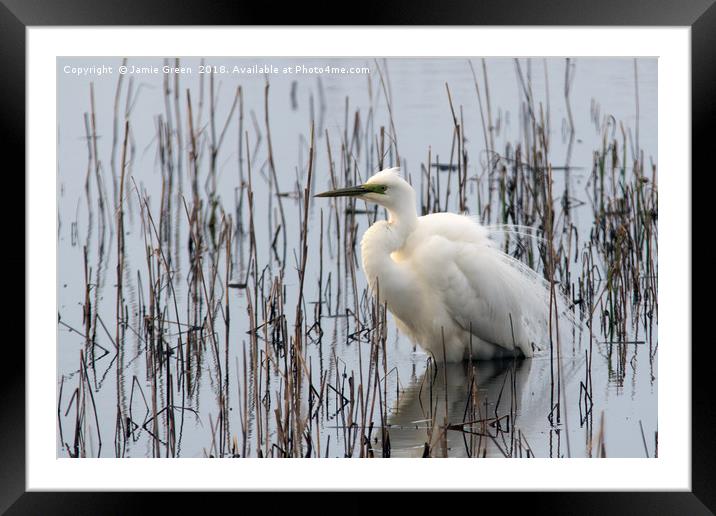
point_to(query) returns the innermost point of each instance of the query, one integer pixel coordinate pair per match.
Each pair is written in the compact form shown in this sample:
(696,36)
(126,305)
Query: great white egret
(448,285)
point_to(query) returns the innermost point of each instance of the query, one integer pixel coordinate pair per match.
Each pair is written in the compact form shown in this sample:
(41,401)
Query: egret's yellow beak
(350,191)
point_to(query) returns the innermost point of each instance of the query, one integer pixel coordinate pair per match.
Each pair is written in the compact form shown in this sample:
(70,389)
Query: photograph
(357,257)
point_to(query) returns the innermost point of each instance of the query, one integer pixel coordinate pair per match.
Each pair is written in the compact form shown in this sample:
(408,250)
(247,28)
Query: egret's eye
(379,189)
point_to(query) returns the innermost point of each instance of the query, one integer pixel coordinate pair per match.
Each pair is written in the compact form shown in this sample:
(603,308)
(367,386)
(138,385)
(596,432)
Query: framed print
(435,245)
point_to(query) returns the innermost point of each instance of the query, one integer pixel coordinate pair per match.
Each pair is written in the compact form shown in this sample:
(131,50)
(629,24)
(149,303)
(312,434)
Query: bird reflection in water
(483,400)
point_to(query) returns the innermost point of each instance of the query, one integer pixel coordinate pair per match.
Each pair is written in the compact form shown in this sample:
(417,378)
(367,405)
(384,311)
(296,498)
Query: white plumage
(445,281)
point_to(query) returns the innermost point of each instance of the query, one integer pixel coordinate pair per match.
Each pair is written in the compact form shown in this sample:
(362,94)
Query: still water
(376,112)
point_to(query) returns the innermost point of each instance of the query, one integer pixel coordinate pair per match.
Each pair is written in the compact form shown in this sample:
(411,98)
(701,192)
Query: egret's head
(385,188)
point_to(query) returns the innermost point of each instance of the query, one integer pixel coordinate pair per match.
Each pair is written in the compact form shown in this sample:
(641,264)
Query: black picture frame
(16,15)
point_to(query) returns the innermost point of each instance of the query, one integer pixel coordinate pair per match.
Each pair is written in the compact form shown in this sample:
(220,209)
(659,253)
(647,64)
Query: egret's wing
(484,291)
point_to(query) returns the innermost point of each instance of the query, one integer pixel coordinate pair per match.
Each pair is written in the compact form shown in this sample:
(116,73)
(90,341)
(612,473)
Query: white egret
(445,281)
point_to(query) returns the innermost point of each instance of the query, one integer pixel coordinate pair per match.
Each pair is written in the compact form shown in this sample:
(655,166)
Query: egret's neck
(402,221)
(381,240)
